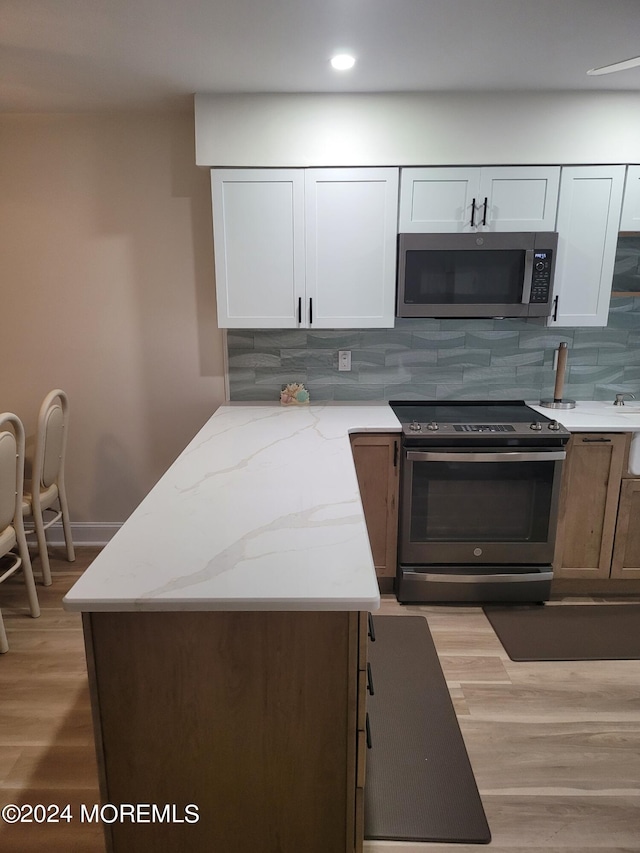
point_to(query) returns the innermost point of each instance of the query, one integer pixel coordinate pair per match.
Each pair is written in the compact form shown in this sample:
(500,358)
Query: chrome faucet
(619,401)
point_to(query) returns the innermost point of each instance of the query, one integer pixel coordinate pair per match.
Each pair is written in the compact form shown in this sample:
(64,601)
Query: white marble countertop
(261,511)
(597,416)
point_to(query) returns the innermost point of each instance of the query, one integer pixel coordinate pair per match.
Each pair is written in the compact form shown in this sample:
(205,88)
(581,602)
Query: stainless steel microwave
(493,274)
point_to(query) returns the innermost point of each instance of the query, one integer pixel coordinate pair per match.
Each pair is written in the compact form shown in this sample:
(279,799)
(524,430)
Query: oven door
(475,507)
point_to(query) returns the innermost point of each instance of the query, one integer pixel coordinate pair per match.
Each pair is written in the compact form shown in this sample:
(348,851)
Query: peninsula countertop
(261,511)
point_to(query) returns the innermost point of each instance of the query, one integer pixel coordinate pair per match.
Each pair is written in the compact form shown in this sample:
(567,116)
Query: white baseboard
(83,532)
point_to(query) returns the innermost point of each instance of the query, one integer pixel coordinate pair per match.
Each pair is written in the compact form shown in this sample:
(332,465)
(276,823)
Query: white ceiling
(69,55)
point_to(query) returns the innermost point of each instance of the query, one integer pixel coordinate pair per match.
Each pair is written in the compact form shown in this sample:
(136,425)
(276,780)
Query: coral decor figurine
(294,394)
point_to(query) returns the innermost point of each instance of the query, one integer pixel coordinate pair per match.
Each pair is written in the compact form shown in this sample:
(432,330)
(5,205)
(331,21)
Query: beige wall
(108,292)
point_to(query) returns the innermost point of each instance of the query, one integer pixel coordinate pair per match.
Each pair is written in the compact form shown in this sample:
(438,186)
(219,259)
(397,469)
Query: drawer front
(363,639)
(361,765)
(362,699)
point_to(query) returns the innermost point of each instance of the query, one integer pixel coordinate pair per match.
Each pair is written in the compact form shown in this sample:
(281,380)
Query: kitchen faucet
(619,401)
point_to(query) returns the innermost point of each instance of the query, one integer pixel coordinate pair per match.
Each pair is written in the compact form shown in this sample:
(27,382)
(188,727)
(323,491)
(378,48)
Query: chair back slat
(53,445)
(8,452)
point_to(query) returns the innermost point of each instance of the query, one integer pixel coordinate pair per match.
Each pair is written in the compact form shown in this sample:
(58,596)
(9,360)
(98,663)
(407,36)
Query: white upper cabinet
(305,248)
(588,220)
(438,200)
(458,200)
(630,219)
(519,199)
(258,226)
(350,228)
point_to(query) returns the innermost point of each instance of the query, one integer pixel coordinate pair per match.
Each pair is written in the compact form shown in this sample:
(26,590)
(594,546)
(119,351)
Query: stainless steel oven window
(455,506)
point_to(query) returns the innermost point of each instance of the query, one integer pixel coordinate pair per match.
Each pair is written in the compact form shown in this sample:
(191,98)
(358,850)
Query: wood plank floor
(46,734)
(555,747)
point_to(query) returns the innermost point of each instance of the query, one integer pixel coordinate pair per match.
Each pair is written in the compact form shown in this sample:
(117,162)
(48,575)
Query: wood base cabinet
(251,721)
(598,543)
(376,457)
(589,504)
(626,547)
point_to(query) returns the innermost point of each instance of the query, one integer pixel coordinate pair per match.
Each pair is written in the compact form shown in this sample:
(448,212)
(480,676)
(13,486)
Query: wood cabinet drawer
(362,698)
(361,763)
(363,639)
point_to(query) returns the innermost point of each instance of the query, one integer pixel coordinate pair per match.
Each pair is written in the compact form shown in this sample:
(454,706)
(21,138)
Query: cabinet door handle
(310,310)
(596,441)
(299,309)
(555,309)
(473,211)
(484,215)
(369,680)
(368,731)
(372,632)
(395,454)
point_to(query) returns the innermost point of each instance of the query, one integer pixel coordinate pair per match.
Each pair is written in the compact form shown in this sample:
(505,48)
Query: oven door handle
(443,577)
(506,456)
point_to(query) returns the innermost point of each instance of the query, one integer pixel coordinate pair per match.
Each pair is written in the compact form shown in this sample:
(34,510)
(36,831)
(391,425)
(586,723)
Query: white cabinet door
(350,227)
(630,219)
(518,198)
(438,200)
(458,200)
(258,226)
(588,219)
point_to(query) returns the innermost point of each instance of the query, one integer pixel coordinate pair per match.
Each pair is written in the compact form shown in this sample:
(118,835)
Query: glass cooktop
(466,412)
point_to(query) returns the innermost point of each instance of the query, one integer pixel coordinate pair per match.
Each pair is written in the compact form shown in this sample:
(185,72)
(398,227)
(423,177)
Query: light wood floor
(555,747)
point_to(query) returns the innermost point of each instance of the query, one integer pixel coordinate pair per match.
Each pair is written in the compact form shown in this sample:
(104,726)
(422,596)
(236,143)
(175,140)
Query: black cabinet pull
(299,309)
(395,454)
(310,310)
(372,632)
(473,212)
(484,215)
(368,731)
(555,309)
(369,680)
(596,441)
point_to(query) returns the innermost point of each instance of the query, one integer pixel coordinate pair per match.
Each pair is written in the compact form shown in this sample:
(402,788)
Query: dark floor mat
(567,631)
(419,782)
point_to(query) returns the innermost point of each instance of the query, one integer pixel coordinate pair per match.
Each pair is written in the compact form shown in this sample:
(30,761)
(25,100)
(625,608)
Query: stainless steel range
(480,484)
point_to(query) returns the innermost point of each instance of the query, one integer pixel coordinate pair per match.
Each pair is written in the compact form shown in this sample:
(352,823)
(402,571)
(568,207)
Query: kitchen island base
(249,721)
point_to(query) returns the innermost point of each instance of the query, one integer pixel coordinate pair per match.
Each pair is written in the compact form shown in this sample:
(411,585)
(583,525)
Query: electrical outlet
(344,359)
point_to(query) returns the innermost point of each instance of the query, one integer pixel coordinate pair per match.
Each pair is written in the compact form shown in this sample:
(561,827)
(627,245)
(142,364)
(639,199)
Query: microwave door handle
(508,456)
(528,275)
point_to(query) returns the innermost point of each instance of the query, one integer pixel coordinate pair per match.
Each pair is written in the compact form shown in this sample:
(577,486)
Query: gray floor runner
(419,782)
(567,631)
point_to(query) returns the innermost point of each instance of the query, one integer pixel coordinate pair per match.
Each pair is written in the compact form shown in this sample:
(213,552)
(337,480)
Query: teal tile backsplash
(441,360)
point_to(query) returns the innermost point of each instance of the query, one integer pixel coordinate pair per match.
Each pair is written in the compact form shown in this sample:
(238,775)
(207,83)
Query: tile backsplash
(441,360)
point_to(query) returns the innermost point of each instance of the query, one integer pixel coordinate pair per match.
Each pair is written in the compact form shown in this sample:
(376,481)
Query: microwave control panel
(541,276)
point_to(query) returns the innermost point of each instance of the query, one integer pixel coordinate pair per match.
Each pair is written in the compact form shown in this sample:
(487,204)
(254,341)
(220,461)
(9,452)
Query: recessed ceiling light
(616,66)
(342,61)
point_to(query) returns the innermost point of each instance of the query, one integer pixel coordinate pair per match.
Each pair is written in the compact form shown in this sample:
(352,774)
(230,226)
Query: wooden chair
(46,491)
(12,536)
